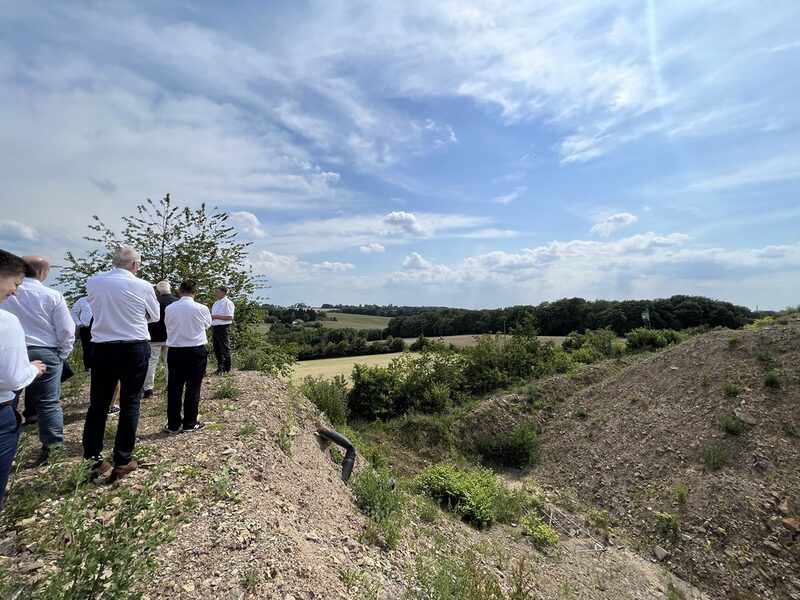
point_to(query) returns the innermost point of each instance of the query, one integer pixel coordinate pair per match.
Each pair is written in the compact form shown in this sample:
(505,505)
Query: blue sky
(449,153)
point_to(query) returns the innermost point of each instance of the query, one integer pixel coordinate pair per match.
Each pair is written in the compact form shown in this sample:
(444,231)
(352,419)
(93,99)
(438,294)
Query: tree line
(564,316)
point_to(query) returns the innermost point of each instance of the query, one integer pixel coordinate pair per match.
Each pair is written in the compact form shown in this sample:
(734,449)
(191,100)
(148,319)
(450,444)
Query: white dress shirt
(16,371)
(122,305)
(44,316)
(81,312)
(186,322)
(222,307)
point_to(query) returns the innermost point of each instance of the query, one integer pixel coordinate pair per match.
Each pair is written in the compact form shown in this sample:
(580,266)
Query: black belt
(121,342)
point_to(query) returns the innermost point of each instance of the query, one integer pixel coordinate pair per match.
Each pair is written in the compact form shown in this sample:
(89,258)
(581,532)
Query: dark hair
(188,286)
(224,288)
(11,264)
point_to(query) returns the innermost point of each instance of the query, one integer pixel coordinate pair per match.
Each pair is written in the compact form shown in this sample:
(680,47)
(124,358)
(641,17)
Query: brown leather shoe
(99,469)
(120,471)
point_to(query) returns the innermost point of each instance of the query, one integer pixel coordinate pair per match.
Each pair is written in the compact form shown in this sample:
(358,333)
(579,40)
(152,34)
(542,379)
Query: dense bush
(268,358)
(516,448)
(378,497)
(470,495)
(329,396)
(542,535)
(372,395)
(651,339)
(593,345)
(426,383)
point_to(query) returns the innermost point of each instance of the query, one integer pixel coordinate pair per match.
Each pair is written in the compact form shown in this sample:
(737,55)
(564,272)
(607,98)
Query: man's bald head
(39,265)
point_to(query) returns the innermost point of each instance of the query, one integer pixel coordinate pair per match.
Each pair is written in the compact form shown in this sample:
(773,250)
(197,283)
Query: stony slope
(292,529)
(631,441)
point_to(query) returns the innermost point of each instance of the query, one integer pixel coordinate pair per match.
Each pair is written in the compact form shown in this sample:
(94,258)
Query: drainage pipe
(349,457)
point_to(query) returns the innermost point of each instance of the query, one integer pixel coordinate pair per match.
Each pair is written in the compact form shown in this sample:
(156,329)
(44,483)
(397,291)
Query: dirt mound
(697,450)
(270,517)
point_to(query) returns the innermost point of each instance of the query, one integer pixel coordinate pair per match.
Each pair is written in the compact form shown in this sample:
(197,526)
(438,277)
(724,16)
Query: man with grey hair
(49,336)
(122,306)
(158,337)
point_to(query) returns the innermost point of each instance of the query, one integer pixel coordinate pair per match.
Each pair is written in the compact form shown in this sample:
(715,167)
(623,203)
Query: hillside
(258,523)
(708,431)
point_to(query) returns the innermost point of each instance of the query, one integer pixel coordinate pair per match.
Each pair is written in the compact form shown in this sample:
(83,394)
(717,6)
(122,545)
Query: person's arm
(65,328)
(15,369)
(75,312)
(152,307)
(206,317)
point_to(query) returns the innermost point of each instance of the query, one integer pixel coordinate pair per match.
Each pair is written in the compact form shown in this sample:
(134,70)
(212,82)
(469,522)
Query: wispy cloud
(612,223)
(780,168)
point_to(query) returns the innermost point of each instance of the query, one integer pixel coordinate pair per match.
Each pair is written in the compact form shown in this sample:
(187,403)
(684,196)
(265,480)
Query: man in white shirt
(186,322)
(49,336)
(122,306)
(158,337)
(16,370)
(82,315)
(221,319)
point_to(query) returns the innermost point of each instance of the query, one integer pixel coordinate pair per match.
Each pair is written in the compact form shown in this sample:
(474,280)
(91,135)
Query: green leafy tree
(176,243)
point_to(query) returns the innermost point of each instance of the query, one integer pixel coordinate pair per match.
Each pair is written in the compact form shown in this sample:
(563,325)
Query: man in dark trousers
(122,305)
(186,322)
(158,337)
(221,319)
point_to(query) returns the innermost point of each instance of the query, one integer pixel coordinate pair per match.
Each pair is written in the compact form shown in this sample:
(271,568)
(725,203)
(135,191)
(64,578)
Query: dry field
(328,368)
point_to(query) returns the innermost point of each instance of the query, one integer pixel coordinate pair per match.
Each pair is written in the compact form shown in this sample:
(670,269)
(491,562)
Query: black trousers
(187,366)
(85,335)
(125,363)
(222,346)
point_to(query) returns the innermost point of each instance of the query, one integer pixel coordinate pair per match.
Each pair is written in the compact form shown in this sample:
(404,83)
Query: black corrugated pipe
(349,457)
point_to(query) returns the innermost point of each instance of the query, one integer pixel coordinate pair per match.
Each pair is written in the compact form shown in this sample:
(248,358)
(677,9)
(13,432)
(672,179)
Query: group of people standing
(125,326)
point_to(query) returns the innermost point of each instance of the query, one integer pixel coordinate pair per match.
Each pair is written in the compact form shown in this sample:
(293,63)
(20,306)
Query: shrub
(329,396)
(596,517)
(378,497)
(732,424)
(227,388)
(731,389)
(542,535)
(371,396)
(715,456)
(651,339)
(668,524)
(681,493)
(772,379)
(516,448)
(510,505)
(734,343)
(470,495)
(260,355)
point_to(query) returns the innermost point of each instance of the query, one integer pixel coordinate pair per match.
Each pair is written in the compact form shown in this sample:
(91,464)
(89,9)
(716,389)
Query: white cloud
(405,223)
(370,248)
(248,223)
(334,266)
(612,223)
(15,231)
(780,168)
(508,198)
(415,262)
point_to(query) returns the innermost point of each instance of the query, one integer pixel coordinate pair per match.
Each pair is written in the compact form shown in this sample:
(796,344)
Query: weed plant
(247,430)
(716,456)
(731,389)
(732,424)
(227,388)
(516,448)
(222,486)
(681,493)
(329,396)
(103,544)
(452,577)
(542,535)
(668,524)
(378,498)
(772,379)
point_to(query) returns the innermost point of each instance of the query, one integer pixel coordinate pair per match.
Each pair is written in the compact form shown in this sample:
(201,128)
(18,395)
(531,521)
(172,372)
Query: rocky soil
(286,526)
(638,443)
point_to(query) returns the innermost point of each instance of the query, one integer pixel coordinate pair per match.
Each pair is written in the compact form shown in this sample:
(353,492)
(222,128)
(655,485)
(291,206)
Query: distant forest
(560,317)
